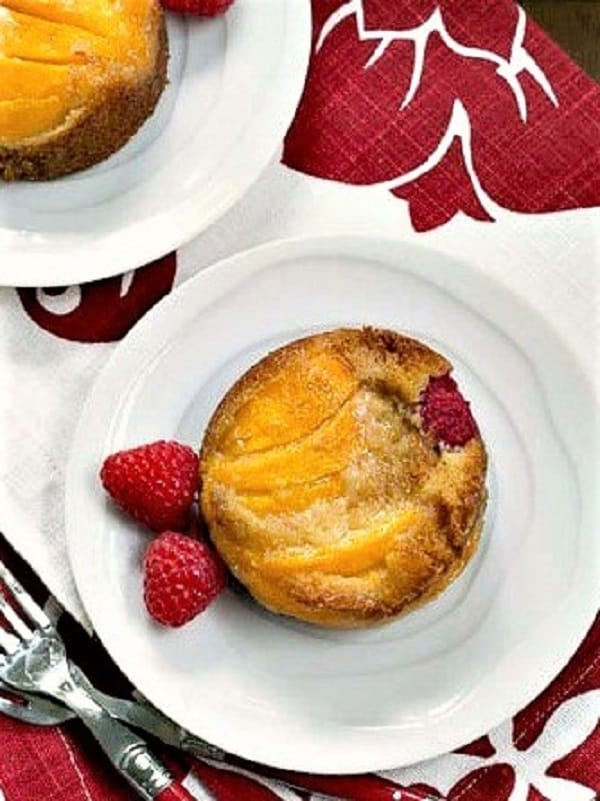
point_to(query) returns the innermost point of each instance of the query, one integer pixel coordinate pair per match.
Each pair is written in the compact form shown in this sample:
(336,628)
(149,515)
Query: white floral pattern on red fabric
(509,68)
(451,106)
(559,738)
(101,311)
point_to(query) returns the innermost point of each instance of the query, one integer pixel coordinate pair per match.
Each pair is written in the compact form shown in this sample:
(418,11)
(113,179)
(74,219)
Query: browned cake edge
(105,128)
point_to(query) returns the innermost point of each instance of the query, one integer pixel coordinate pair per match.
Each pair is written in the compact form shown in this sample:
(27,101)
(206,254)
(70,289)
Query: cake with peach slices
(343,478)
(77,80)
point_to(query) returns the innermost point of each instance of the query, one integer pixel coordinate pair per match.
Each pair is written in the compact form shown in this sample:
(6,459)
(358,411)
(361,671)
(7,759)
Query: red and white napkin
(458,125)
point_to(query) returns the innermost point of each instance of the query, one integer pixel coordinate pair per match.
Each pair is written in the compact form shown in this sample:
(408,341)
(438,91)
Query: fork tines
(14,623)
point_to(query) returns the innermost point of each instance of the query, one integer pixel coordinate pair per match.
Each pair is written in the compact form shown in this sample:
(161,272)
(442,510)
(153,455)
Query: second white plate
(234,83)
(301,697)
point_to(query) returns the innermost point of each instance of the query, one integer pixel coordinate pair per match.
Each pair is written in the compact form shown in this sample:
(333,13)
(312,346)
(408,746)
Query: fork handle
(151,778)
(128,752)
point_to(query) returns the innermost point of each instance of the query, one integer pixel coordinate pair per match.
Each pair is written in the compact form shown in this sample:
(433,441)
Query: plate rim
(242,264)
(62,269)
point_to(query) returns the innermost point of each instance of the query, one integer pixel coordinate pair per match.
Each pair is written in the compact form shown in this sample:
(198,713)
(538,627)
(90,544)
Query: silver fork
(33,659)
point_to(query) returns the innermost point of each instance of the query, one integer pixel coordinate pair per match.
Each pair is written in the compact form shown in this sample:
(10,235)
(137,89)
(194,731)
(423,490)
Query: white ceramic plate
(298,696)
(234,85)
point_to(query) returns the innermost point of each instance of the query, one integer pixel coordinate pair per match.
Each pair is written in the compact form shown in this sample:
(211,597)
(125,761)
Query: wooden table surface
(575,24)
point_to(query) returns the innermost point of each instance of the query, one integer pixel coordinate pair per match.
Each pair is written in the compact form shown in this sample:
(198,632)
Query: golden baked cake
(77,79)
(343,478)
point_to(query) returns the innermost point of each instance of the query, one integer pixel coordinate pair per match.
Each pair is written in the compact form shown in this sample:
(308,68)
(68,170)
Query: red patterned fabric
(435,89)
(102,311)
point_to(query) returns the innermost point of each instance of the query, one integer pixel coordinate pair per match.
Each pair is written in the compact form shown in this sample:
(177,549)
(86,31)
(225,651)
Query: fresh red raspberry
(182,576)
(204,8)
(155,483)
(445,413)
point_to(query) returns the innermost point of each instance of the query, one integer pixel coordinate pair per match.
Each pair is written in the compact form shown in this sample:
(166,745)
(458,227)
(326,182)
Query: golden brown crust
(321,490)
(97,131)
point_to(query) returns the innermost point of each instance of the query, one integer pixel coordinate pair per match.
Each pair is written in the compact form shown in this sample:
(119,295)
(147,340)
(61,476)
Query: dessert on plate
(343,478)
(77,80)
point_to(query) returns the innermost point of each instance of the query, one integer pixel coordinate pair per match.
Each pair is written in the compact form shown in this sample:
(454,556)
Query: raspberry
(205,8)
(155,483)
(445,413)
(182,576)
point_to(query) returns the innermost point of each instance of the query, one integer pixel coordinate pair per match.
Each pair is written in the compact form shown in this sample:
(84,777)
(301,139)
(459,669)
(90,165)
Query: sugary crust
(93,134)
(376,354)
(445,490)
(344,605)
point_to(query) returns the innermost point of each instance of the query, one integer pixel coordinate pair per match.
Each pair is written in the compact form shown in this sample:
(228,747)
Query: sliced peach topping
(363,550)
(290,405)
(296,498)
(324,452)
(26,79)
(86,38)
(21,118)
(33,39)
(95,16)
